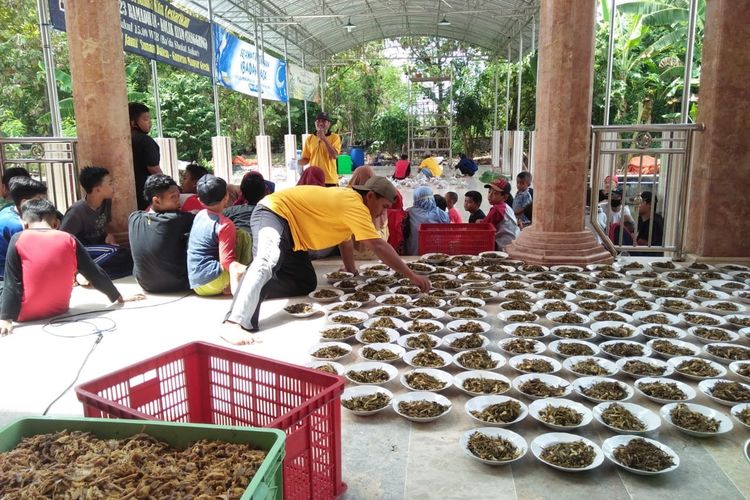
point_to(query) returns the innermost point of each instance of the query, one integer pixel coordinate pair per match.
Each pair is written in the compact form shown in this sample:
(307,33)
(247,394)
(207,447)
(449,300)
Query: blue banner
(158,30)
(236,67)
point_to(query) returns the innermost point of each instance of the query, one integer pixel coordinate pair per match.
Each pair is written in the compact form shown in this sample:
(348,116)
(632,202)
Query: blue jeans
(427,173)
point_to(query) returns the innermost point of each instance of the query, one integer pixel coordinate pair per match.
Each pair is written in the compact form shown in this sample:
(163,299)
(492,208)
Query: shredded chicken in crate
(80,465)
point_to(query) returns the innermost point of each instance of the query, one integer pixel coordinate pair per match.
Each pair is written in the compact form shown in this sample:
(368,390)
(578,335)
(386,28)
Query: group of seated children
(508,214)
(171,250)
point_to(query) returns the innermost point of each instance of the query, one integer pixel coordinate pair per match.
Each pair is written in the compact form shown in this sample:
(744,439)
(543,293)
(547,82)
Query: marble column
(563,120)
(100,101)
(718,218)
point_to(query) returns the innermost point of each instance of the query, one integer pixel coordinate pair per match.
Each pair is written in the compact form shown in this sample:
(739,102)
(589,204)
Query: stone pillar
(718,218)
(563,120)
(100,101)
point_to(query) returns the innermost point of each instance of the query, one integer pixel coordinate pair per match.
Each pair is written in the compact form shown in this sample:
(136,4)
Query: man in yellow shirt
(285,225)
(322,149)
(430,167)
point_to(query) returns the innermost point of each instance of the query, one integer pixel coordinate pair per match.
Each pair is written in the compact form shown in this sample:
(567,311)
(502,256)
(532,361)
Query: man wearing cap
(322,149)
(287,224)
(501,213)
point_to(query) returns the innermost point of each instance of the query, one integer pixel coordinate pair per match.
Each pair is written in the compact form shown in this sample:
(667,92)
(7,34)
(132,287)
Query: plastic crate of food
(456,239)
(265,485)
(205,383)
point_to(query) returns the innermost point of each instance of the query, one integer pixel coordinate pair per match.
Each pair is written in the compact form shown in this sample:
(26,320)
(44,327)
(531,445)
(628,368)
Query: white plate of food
(424,326)
(336,276)
(479,359)
(664,390)
(423,358)
(365,400)
(330,351)
(614,330)
(526,330)
(642,366)
(701,319)
(496,411)
(600,389)
(465,341)
(421,313)
(725,353)
(468,326)
(568,318)
(383,352)
(560,414)
(325,295)
(723,307)
(363,298)
(371,373)
(656,318)
(302,309)
(377,336)
(421,406)
(466,313)
(517,317)
(550,449)
(499,446)
(626,418)
(481,382)
(516,345)
(628,452)
(668,348)
(387,312)
(590,366)
(419,341)
(534,363)
(617,349)
(676,306)
(384,322)
(696,368)
(696,420)
(393,299)
(741,369)
(565,332)
(725,392)
(348,318)
(569,348)
(741,413)
(427,379)
(541,386)
(330,367)
(349,305)
(338,333)
(712,334)
(652,331)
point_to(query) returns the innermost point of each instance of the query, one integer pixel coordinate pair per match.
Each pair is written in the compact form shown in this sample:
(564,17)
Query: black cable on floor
(77,318)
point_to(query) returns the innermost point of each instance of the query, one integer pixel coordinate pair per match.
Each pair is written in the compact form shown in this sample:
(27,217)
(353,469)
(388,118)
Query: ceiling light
(349,26)
(444,22)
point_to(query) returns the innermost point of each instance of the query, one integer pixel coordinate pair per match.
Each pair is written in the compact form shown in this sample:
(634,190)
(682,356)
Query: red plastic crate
(456,239)
(205,383)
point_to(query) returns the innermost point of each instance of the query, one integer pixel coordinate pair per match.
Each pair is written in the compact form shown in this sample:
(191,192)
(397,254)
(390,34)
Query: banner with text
(158,30)
(303,84)
(236,67)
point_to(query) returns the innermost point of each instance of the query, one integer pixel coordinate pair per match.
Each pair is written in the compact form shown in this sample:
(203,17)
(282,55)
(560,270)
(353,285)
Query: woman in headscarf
(398,225)
(312,176)
(424,211)
(359,177)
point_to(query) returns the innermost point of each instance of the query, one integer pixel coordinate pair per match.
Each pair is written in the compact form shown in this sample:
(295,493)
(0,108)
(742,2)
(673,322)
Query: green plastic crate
(267,483)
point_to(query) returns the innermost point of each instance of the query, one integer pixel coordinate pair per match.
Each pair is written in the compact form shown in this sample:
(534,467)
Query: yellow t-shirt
(317,153)
(432,165)
(322,217)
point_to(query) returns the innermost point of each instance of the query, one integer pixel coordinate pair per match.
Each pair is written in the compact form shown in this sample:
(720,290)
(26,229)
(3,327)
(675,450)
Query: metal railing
(52,160)
(647,158)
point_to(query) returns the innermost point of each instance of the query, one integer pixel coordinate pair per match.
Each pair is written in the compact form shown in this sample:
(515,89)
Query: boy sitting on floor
(158,238)
(40,268)
(218,253)
(5,199)
(89,220)
(22,189)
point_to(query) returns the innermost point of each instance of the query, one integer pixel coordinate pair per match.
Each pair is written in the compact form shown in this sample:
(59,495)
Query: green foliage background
(366,94)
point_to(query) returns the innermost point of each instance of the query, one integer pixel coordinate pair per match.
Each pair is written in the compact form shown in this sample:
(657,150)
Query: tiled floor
(384,456)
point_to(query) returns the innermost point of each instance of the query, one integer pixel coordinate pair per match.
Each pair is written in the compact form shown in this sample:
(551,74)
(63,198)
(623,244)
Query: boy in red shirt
(41,266)
(454,215)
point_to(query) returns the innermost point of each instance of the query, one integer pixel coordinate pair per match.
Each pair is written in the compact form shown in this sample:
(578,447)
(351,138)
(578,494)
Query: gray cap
(379,185)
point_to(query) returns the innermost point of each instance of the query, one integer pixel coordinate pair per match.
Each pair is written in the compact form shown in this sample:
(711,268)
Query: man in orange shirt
(322,149)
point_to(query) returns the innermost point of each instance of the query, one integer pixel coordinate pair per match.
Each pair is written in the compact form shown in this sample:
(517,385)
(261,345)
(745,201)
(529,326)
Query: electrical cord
(78,318)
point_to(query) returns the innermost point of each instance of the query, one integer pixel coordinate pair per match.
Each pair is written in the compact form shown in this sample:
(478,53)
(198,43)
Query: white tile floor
(384,456)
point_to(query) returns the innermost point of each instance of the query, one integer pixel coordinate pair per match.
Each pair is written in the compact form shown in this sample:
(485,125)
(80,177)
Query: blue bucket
(358,157)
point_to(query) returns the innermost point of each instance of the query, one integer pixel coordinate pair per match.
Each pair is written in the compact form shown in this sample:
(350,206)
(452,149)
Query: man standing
(145,150)
(322,149)
(287,224)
